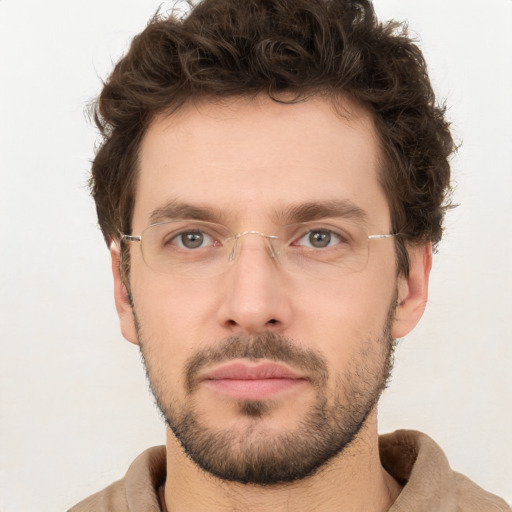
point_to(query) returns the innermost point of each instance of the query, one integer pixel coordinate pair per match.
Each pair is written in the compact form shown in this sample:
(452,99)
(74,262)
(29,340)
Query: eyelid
(179,226)
(290,233)
(213,233)
(302,229)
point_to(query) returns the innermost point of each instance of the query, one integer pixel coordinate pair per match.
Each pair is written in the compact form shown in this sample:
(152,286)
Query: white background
(75,409)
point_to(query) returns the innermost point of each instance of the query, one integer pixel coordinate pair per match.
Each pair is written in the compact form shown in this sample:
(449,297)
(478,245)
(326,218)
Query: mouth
(252,381)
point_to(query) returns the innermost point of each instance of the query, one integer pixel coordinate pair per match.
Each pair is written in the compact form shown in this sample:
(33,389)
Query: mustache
(271,346)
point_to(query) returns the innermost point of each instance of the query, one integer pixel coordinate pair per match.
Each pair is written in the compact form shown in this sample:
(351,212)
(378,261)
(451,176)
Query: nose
(256,296)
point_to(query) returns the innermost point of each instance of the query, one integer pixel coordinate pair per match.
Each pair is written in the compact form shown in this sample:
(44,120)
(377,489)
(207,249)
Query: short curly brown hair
(224,48)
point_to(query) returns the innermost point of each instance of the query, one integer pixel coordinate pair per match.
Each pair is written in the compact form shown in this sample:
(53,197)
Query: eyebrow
(175,209)
(294,213)
(316,210)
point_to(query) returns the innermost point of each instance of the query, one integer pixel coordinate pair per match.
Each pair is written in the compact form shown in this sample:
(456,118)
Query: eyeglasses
(197,249)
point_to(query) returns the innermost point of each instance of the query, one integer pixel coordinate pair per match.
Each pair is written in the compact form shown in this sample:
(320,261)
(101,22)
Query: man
(272,180)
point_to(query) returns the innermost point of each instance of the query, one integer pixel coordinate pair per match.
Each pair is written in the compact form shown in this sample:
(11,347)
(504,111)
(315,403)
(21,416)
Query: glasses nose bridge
(269,238)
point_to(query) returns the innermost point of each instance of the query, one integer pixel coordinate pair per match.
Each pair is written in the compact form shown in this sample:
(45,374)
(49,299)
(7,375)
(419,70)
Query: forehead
(247,158)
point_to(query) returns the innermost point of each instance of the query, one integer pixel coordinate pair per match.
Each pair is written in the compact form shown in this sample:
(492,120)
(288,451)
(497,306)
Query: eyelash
(210,240)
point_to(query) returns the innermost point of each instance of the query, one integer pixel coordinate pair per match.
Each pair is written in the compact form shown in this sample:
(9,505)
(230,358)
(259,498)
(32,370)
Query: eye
(319,239)
(193,239)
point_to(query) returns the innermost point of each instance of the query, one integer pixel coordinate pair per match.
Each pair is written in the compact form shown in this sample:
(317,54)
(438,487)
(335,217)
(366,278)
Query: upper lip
(239,370)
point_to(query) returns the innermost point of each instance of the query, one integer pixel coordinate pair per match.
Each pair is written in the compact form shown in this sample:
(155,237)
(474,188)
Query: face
(264,374)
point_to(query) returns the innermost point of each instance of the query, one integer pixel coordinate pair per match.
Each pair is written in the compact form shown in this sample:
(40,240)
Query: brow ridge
(317,210)
(176,210)
(294,213)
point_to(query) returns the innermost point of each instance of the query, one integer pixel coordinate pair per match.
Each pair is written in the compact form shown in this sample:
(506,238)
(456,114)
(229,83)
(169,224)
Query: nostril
(272,321)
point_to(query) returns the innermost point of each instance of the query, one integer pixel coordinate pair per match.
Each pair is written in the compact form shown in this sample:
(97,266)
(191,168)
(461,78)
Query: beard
(252,453)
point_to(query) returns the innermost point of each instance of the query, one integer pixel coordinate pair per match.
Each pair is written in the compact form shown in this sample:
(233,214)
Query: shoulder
(418,463)
(112,497)
(137,490)
(472,497)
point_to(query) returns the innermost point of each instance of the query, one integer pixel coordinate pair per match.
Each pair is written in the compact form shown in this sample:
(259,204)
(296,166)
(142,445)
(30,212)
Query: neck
(353,481)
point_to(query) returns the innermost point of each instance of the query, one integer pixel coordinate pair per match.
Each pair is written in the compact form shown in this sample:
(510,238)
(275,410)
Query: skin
(245,159)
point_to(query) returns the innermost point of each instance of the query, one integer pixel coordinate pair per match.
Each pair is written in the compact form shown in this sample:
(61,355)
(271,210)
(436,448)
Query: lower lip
(253,389)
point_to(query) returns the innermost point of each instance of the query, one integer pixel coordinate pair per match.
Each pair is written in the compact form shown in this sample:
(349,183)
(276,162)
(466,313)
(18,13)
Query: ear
(413,291)
(123,303)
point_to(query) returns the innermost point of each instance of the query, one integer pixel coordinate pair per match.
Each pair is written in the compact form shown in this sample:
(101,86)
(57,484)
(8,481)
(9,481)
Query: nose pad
(272,252)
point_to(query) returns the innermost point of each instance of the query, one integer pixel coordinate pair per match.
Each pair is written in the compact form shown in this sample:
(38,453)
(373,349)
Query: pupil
(192,240)
(320,238)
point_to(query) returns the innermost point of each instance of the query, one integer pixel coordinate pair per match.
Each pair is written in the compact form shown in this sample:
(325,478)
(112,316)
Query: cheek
(339,318)
(173,318)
